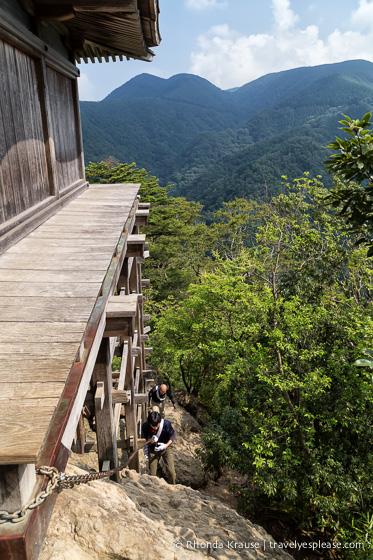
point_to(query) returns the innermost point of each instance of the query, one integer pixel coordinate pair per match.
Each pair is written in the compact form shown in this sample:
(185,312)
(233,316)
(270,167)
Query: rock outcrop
(144,518)
(189,470)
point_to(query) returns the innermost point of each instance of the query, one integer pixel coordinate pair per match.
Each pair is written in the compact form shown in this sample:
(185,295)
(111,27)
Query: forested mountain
(215,145)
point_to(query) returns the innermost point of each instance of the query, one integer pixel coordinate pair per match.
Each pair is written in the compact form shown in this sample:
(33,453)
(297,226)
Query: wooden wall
(65,123)
(41,154)
(23,171)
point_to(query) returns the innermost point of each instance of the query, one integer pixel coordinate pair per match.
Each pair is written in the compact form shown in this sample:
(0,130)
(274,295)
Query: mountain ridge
(181,128)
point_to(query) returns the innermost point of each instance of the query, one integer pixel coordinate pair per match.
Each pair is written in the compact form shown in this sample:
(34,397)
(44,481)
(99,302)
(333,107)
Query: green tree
(353,165)
(267,340)
(180,243)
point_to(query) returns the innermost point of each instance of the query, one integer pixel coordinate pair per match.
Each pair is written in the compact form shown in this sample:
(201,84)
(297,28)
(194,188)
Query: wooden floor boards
(49,284)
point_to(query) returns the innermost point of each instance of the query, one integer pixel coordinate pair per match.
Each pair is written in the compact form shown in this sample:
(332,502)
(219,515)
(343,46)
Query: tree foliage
(267,340)
(180,244)
(263,315)
(353,163)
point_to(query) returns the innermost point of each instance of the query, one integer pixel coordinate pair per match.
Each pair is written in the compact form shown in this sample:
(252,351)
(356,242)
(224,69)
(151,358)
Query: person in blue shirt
(160,435)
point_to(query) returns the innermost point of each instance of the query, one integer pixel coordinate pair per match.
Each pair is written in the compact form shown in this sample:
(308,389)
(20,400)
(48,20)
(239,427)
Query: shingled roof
(103,29)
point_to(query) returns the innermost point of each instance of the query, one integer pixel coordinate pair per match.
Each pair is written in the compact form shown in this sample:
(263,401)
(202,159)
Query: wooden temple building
(70,256)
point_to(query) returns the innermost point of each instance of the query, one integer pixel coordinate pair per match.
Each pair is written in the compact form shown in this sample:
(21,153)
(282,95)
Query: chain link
(57,479)
(19,515)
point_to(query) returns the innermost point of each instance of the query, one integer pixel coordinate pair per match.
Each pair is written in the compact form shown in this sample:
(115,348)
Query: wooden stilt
(130,408)
(80,435)
(106,442)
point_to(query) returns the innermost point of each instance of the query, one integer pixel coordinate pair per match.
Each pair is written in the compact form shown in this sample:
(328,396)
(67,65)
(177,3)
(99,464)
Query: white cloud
(284,16)
(230,59)
(203,4)
(86,88)
(362,18)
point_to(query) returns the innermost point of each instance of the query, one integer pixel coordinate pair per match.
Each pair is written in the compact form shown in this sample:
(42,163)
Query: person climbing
(160,435)
(157,397)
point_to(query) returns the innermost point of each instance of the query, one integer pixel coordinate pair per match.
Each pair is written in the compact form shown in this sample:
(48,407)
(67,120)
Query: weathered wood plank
(51,276)
(72,242)
(99,261)
(52,302)
(34,390)
(58,249)
(21,441)
(41,332)
(46,349)
(21,369)
(73,310)
(37,289)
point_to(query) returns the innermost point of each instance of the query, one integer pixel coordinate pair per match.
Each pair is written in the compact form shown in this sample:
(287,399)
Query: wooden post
(130,408)
(80,436)
(16,486)
(103,382)
(123,282)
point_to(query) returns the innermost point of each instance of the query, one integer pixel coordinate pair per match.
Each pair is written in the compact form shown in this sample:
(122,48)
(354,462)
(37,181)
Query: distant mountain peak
(215,145)
(149,86)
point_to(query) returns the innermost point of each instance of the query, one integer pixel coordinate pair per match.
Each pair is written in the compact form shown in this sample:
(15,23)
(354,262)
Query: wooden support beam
(146,317)
(121,444)
(119,326)
(123,281)
(141,398)
(137,380)
(80,436)
(121,396)
(102,380)
(145,283)
(142,217)
(99,396)
(148,351)
(130,408)
(147,329)
(135,239)
(122,306)
(144,337)
(120,313)
(135,245)
(136,351)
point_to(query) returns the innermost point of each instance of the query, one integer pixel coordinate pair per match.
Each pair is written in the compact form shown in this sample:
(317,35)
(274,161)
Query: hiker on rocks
(157,397)
(160,435)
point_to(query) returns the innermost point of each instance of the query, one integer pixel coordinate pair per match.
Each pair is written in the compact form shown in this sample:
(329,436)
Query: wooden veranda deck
(70,294)
(49,284)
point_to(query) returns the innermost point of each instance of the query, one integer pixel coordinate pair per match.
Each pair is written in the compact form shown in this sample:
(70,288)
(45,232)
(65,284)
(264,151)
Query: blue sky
(232,42)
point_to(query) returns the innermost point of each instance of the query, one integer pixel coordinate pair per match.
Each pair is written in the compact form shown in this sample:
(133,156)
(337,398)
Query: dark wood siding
(23,163)
(64,129)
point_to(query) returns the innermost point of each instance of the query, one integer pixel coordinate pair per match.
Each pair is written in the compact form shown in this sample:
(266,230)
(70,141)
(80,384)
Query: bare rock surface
(189,470)
(144,518)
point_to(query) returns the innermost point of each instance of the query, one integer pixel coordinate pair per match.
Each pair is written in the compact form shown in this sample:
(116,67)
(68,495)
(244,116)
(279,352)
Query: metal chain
(58,479)
(19,515)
